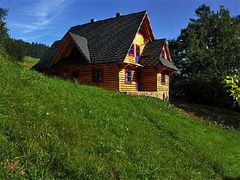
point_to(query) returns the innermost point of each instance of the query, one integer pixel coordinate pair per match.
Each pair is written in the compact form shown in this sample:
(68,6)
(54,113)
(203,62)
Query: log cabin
(119,54)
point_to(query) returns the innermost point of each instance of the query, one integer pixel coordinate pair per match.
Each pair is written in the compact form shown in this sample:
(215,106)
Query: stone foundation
(164,95)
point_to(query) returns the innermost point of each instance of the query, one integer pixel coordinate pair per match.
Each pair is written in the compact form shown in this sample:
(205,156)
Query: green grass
(50,128)
(28,62)
(224,117)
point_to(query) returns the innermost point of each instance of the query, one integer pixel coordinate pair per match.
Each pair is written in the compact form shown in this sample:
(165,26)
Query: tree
(206,51)
(232,83)
(3,28)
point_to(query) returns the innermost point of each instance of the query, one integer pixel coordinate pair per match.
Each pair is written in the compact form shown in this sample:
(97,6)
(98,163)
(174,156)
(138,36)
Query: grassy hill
(28,62)
(51,128)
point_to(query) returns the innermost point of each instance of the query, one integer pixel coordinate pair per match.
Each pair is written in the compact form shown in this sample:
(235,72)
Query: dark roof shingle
(46,60)
(108,40)
(152,55)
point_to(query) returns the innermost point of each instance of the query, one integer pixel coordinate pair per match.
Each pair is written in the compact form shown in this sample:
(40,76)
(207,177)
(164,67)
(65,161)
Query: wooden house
(119,54)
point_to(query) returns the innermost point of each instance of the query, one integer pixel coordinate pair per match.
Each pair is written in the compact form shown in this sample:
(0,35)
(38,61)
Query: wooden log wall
(148,79)
(85,75)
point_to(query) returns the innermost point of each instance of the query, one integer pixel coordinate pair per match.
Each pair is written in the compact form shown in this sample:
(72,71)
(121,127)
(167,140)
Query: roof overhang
(80,42)
(130,65)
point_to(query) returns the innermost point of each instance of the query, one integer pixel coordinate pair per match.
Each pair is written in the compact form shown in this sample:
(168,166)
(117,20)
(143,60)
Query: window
(137,53)
(128,76)
(137,50)
(74,75)
(131,52)
(97,76)
(163,54)
(163,78)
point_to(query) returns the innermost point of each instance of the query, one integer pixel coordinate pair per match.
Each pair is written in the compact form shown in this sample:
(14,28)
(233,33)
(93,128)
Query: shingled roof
(105,41)
(152,55)
(46,60)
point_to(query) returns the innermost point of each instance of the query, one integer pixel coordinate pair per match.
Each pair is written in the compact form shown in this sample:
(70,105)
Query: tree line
(17,49)
(206,52)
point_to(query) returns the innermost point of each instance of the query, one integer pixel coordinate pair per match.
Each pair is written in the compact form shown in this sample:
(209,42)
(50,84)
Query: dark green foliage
(54,129)
(206,52)
(3,28)
(18,49)
(15,48)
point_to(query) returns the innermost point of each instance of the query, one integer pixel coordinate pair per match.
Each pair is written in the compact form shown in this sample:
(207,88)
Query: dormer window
(131,52)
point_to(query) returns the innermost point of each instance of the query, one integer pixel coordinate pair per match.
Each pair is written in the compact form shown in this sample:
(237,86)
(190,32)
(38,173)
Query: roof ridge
(162,39)
(102,20)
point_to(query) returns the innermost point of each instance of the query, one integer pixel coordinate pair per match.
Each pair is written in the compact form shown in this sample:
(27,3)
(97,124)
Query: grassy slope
(28,62)
(59,129)
(218,115)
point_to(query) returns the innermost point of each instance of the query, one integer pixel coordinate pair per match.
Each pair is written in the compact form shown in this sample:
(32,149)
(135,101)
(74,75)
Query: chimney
(118,14)
(93,20)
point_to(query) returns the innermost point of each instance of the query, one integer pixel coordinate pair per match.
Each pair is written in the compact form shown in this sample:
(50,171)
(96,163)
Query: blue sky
(44,21)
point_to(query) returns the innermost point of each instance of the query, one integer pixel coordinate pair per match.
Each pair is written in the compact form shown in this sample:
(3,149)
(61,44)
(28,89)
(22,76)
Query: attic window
(163,54)
(131,52)
(137,53)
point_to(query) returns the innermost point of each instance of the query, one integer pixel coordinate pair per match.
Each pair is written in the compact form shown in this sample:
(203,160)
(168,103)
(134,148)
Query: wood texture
(148,79)
(85,75)
(124,87)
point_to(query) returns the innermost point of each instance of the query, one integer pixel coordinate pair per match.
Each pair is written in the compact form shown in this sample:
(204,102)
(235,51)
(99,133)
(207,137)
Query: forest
(17,49)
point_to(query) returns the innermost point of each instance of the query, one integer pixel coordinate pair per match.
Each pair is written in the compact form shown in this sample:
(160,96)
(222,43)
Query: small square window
(128,76)
(131,52)
(97,76)
(163,78)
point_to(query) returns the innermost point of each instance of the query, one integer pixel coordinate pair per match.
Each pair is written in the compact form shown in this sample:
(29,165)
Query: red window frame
(163,78)
(133,46)
(102,74)
(125,76)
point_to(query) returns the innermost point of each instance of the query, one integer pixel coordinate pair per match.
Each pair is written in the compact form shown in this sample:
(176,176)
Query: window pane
(163,78)
(132,50)
(97,76)
(128,76)
(163,55)
(137,50)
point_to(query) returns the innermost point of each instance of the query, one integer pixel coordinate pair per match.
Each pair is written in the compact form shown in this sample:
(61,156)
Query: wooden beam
(70,50)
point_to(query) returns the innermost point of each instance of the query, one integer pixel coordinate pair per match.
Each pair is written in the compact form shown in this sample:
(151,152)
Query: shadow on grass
(221,116)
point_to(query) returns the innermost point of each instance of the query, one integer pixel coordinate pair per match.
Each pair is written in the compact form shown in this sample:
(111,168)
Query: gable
(142,37)
(69,41)
(71,52)
(152,54)
(166,52)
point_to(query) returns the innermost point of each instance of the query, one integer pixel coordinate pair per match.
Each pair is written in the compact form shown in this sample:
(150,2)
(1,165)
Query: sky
(45,21)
